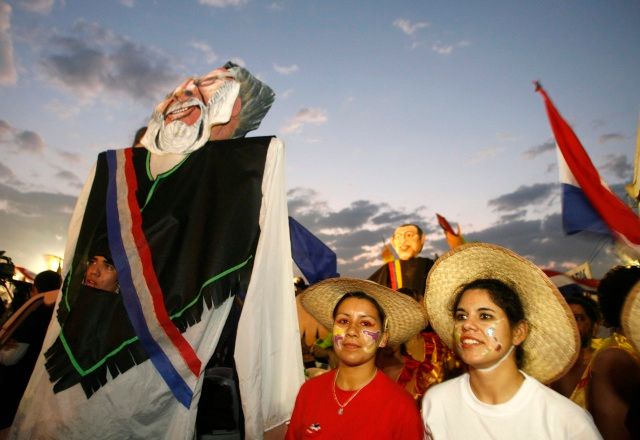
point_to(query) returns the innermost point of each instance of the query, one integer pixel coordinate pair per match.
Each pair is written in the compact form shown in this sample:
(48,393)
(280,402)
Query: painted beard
(177,137)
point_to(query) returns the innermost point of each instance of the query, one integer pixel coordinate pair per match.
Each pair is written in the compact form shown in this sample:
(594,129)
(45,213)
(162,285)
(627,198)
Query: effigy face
(182,122)
(407,242)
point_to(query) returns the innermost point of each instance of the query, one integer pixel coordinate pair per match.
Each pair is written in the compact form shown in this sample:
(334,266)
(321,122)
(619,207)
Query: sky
(390,111)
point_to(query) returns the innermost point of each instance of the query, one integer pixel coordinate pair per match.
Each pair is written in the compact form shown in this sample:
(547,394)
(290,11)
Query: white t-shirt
(451,411)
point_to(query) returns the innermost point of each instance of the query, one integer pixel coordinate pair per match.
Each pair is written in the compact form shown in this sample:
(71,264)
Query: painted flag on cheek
(587,203)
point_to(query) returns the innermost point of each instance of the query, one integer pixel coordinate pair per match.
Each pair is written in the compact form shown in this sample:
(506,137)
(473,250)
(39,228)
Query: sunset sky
(391,111)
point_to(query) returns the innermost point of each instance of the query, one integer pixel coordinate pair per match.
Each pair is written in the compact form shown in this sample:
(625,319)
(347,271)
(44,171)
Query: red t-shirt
(381,410)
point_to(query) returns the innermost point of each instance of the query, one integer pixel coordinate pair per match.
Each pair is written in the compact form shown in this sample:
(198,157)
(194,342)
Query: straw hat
(552,345)
(631,317)
(405,316)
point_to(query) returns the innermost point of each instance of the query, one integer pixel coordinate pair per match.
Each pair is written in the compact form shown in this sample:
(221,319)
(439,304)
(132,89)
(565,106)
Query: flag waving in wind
(587,203)
(454,239)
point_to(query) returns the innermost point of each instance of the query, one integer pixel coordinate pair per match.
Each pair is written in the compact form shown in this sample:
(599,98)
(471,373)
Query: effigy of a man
(423,360)
(194,221)
(409,270)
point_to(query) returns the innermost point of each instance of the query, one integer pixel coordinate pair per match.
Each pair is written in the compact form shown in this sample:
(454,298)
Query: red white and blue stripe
(587,203)
(170,353)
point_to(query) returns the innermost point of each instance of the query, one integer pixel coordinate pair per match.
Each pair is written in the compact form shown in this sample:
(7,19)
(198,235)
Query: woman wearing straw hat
(511,327)
(356,400)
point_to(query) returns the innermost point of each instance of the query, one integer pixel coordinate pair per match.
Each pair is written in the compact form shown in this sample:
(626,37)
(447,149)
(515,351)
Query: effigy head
(408,240)
(226,103)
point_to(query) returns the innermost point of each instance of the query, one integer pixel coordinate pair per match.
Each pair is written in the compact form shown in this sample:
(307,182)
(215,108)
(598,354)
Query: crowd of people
(512,355)
(521,357)
(479,343)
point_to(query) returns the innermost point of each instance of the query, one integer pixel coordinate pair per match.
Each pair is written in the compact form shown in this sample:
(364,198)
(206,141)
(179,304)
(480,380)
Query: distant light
(53,262)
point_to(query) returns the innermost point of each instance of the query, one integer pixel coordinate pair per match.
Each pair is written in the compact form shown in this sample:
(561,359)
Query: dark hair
(256,98)
(504,297)
(138,136)
(420,233)
(613,290)
(360,295)
(590,306)
(47,280)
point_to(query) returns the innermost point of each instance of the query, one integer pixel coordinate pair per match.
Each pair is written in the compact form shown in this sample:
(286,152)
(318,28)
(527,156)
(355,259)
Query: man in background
(19,354)
(573,383)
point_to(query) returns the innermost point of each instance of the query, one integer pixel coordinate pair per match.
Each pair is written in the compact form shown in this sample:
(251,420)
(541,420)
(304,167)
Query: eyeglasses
(406,235)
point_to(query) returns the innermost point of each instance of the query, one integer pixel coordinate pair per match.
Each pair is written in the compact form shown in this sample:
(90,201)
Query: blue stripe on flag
(176,384)
(315,259)
(578,214)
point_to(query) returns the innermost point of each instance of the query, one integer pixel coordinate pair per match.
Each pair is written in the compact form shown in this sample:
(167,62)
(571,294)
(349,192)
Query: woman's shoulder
(446,387)
(555,402)
(390,390)
(317,382)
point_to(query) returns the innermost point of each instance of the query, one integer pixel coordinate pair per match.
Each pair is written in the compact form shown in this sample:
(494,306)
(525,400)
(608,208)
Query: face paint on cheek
(338,336)
(370,340)
(491,333)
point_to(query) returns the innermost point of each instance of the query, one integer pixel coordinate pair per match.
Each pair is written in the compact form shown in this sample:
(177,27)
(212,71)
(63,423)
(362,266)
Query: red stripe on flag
(392,275)
(185,349)
(620,219)
(444,224)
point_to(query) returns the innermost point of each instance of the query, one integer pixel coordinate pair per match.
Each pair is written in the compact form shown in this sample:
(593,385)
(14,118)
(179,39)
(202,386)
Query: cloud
(128,3)
(610,137)
(6,130)
(356,232)
(524,196)
(64,110)
(30,141)
(33,224)
(442,49)
(511,217)
(38,6)
(20,141)
(447,49)
(68,176)
(544,242)
(483,155)
(9,177)
(533,152)
(276,6)
(618,165)
(286,70)
(94,62)
(223,3)
(315,116)
(210,56)
(70,157)
(8,74)
(286,94)
(407,27)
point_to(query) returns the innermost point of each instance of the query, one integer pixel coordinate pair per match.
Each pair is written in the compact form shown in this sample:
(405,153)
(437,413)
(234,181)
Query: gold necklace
(341,406)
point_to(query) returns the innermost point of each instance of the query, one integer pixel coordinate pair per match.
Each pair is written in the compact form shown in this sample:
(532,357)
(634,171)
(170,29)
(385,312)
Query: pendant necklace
(341,406)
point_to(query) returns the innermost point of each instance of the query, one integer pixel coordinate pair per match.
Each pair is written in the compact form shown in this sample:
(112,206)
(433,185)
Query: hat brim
(630,317)
(553,343)
(405,316)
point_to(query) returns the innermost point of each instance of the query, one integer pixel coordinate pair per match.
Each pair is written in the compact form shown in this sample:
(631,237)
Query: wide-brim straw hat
(405,316)
(553,343)
(630,317)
